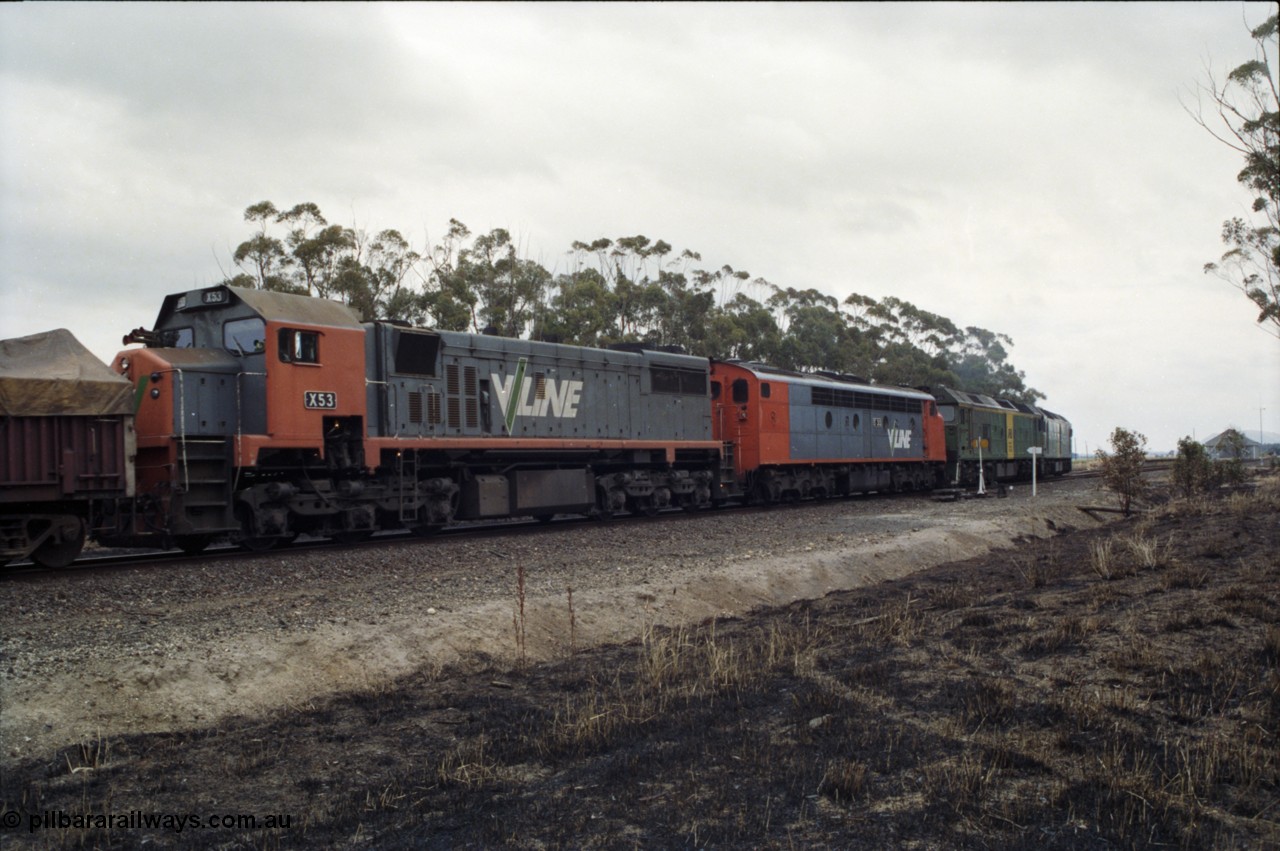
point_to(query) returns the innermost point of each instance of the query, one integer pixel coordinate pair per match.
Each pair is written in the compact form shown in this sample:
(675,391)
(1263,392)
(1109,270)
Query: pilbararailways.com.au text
(139,820)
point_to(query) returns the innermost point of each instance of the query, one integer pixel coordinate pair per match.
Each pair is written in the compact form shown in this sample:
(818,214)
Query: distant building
(1218,448)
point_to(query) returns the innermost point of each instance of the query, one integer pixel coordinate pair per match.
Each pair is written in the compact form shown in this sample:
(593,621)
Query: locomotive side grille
(540,385)
(462,395)
(415,406)
(471,387)
(433,407)
(836,398)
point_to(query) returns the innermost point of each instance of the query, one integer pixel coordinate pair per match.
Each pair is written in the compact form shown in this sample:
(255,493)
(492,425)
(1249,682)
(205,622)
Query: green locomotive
(998,434)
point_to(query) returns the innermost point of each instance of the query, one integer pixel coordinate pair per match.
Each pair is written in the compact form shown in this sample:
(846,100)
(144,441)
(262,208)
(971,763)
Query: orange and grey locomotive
(266,415)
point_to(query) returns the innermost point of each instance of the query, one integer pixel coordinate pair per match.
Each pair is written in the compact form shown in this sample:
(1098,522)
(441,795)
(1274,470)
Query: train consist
(259,416)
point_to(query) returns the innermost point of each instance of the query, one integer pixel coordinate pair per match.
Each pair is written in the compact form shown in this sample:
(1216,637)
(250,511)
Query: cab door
(314,375)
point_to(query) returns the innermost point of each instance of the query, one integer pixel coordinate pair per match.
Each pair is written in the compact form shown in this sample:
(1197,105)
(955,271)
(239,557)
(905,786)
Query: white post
(982,481)
(1035,458)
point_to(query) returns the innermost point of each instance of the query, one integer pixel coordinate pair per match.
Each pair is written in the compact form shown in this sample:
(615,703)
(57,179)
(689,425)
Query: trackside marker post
(1034,452)
(980,444)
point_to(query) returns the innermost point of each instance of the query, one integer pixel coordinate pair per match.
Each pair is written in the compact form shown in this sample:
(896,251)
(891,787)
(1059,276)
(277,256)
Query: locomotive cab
(236,386)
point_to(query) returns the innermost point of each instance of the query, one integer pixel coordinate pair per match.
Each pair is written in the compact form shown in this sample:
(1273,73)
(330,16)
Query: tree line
(626,290)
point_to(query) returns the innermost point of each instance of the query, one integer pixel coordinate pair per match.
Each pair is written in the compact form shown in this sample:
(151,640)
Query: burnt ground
(1115,687)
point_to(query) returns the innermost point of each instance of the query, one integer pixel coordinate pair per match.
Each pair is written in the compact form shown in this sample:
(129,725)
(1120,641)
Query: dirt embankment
(153,649)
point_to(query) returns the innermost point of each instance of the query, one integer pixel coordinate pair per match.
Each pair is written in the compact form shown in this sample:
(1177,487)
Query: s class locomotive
(259,416)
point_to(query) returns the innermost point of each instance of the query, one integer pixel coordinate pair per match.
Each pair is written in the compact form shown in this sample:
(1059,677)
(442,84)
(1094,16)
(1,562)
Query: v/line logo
(518,397)
(900,438)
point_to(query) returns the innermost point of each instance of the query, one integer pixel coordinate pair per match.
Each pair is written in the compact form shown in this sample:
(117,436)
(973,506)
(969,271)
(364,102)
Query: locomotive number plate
(320,400)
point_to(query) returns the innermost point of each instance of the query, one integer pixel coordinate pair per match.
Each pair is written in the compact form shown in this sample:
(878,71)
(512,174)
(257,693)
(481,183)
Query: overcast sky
(1026,168)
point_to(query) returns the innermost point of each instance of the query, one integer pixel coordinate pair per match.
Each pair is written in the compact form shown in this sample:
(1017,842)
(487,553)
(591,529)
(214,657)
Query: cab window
(245,336)
(177,338)
(739,391)
(299,346)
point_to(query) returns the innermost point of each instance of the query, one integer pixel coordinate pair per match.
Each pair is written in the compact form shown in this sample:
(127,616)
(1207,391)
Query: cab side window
(740,391)
(244,336)
(299,346)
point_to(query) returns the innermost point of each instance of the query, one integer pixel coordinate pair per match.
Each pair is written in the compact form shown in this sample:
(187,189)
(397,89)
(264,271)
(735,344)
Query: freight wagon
(66,447)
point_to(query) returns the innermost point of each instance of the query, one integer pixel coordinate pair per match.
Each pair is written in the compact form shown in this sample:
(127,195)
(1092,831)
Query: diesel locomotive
(259,416)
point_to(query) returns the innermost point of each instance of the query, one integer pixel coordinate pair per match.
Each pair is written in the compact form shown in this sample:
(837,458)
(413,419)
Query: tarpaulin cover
(52,374)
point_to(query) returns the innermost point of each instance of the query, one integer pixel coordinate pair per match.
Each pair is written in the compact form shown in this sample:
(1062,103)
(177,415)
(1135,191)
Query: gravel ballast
(152,648)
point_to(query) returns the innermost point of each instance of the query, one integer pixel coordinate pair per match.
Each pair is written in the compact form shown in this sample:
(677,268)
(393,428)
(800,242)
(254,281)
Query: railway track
(107,560)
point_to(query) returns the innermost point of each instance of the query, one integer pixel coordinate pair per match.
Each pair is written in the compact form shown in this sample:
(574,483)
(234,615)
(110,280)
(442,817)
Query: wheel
(612,502)
(248,536)
(62,546)
(356,537)
(643,506)
(764,495)
(257,545)
(193,545)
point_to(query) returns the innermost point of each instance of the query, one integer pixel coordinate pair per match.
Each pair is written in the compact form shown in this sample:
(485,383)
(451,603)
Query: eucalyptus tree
(683,311)
(1247,120)
(814,331)
(743,329)
(504,290)
(263,257)
(981,363)
(582,311)
(446,300)
(319,249)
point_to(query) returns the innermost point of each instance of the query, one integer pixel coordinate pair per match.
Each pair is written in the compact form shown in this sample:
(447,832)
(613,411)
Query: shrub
(1192,470)
(1122,468)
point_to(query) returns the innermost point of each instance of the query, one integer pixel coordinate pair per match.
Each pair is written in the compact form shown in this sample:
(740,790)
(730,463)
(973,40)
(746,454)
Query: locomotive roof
(271,306)
(979,400)
(52,374)
(495,344)
(828,379)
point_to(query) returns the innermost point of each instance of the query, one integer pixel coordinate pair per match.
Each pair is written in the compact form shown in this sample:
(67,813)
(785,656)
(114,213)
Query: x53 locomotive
(265,415)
